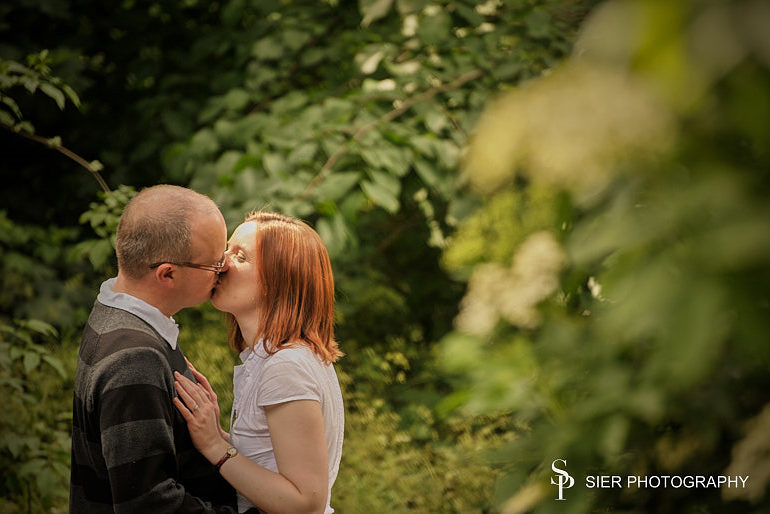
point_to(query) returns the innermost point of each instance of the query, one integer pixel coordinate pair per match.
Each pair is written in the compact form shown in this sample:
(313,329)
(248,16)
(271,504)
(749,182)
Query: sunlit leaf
(373,10)
(54,93)
(267,48)
(336,185)
(381,195)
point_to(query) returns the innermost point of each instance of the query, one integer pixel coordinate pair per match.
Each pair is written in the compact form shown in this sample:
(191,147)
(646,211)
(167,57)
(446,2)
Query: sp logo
(563,480)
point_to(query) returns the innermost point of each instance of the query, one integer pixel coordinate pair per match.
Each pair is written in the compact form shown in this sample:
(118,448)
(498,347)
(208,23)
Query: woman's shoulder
(293,352)
(296,355)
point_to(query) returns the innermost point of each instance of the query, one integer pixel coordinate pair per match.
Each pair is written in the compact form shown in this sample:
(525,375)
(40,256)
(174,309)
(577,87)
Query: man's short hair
(156,227)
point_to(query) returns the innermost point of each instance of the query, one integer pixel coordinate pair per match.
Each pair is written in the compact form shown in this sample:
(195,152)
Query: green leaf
(16,351)
(386,180)
(275,164)
(247,184)
(54,93)
(29,83)
(388,157)
(41,327)
(71,94)
(98,251)
(373,10)
(334,233)
(204,142)
(236,99)
(211,110)
(24,126)
(55,364)
(232,13)
(289,102)
(295,39)
(175,123)
(46,480)
(225,130)
(313,56)
(436,121)
(6,119)
(304,153)
(470,15)
(435,29)
(336,185)
(31,361)
(428,173)
(538,23)
(448,153)
(267,49)
(411,6)
(381,196)
(337,110)
(11,103)
(508,70)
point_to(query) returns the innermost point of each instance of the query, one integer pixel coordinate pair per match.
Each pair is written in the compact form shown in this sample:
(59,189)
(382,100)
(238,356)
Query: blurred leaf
(435,29)
(236,99)
(54,93)
(56,364)
(303,154)
(373,10)
(267,48)
(336,185)
(467,12)
(538,23)
(381,195)
(275,164)
(41,327)
(31,361)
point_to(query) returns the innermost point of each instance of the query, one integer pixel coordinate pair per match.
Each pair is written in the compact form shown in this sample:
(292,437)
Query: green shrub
(35,426)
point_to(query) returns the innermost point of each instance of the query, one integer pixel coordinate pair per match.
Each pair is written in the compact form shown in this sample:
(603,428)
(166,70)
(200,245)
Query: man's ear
(164,274)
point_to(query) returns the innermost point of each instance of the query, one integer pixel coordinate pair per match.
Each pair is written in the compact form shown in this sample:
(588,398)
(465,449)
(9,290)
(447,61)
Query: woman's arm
(297,433)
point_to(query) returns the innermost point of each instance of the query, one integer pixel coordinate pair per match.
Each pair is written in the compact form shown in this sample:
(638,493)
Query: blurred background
(548,222)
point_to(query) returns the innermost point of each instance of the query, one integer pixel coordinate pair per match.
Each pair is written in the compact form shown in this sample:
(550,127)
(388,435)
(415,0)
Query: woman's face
(236,291)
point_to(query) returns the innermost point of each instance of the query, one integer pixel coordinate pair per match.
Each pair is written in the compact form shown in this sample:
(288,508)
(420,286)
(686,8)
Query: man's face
(209,242)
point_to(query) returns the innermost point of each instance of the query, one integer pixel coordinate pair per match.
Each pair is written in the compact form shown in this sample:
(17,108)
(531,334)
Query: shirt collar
(164,325)
(258,351)
(245,354)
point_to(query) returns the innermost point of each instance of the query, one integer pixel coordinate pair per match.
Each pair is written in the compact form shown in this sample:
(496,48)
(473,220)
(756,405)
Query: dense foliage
(586,280)
(617,301)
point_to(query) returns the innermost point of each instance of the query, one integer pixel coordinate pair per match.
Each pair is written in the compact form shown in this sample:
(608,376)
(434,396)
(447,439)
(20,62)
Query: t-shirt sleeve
(286,378)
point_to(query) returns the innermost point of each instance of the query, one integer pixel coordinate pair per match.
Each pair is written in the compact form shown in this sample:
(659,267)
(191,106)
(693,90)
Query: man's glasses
(216,268)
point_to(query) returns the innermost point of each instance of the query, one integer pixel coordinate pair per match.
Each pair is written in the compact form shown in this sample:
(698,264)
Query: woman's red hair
(295,285)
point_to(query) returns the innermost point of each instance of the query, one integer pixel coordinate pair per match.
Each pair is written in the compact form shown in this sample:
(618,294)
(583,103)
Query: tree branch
(67,152)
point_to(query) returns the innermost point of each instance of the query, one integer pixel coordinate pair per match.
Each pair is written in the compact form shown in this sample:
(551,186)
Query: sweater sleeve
(135,414)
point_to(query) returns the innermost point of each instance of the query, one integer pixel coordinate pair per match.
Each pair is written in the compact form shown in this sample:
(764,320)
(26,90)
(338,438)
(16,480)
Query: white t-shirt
(287,375)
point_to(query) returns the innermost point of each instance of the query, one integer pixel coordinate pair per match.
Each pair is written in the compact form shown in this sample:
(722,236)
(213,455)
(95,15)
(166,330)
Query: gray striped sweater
(131,451)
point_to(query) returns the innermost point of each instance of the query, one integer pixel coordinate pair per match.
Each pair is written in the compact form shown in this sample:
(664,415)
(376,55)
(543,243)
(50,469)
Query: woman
(287,420)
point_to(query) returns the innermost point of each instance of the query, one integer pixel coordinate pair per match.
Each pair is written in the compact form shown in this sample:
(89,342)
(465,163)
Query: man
(131,451)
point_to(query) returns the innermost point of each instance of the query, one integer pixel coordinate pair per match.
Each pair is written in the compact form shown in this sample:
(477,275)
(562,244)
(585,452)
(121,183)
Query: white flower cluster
(513,293)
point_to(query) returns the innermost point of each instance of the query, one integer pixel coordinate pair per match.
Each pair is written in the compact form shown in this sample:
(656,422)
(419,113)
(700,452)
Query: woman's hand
(203,381)
(202,417)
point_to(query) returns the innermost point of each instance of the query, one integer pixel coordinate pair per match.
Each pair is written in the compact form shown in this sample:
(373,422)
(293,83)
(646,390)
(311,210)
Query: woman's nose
(225,263)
